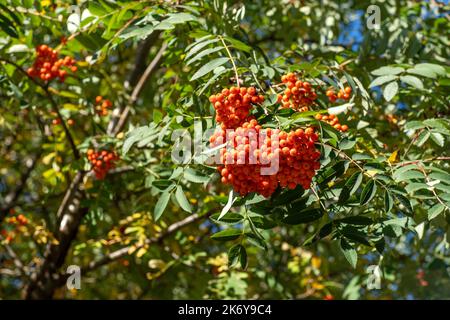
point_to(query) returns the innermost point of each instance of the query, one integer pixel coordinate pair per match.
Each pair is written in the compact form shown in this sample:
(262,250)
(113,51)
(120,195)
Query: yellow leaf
(156,264)
(371,173)
(46,3)
(88,182)
(48,158)
(318,286)
(393,157)
(141,252)
(316,262)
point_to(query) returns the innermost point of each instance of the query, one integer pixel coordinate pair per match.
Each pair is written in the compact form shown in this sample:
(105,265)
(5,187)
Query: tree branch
(137,90)
(11,198)
(55,107)
(124,251)
(70,213)
(17,262)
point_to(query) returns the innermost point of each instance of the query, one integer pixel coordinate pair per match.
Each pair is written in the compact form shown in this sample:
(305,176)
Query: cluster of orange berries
(298,95)
(17,221)
(333,121)
(288,158)
(102,162)
(102,106)
(233,105)
(47,66)
(259,160)
(342,94)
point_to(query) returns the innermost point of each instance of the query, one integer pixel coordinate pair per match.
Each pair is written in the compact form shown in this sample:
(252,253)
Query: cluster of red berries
(47,66)
(298,95)
(288,158)
(259,160)
(342,94)
(421,277)
(102,106)
(333,121)
(15,221)
(233,105)
(102,162)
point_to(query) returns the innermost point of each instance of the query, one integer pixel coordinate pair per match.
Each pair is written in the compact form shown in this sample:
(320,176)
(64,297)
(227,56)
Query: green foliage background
(151,230)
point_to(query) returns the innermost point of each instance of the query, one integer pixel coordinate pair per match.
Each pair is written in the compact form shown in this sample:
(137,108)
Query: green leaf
(337,170)
(355,235)
(388,201)
(390,91)
(415,186)
(414,125)
(434,211)
(443,177)
(230,218)
(202,54)
(201,43)
(180,17)
(357,220)
(305,216)
(412,81)
(361,156)
(238,44)
(440,70)
(11,14)
(404,201)
(438,138)
(182,200)
(161,205)
(346,144)
(7,26)
(208,67)
(260,243)
(423,137)
(439,125)
(234,254)
(326,230)
(243,258)
(409,175)
(227,234)
(424,72)
(384,71)
(350,186)
(368,192)
(195,176)
(382,80)
(137,32)
(162,183)
(349,252)
(97,9)
(237,253)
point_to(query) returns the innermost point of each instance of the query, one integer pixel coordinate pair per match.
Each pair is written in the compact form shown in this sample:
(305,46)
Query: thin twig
(232,61)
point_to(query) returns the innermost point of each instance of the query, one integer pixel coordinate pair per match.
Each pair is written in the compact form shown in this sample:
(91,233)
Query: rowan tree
(137,138)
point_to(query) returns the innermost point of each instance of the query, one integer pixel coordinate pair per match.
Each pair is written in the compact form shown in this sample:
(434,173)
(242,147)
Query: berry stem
(232,61)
